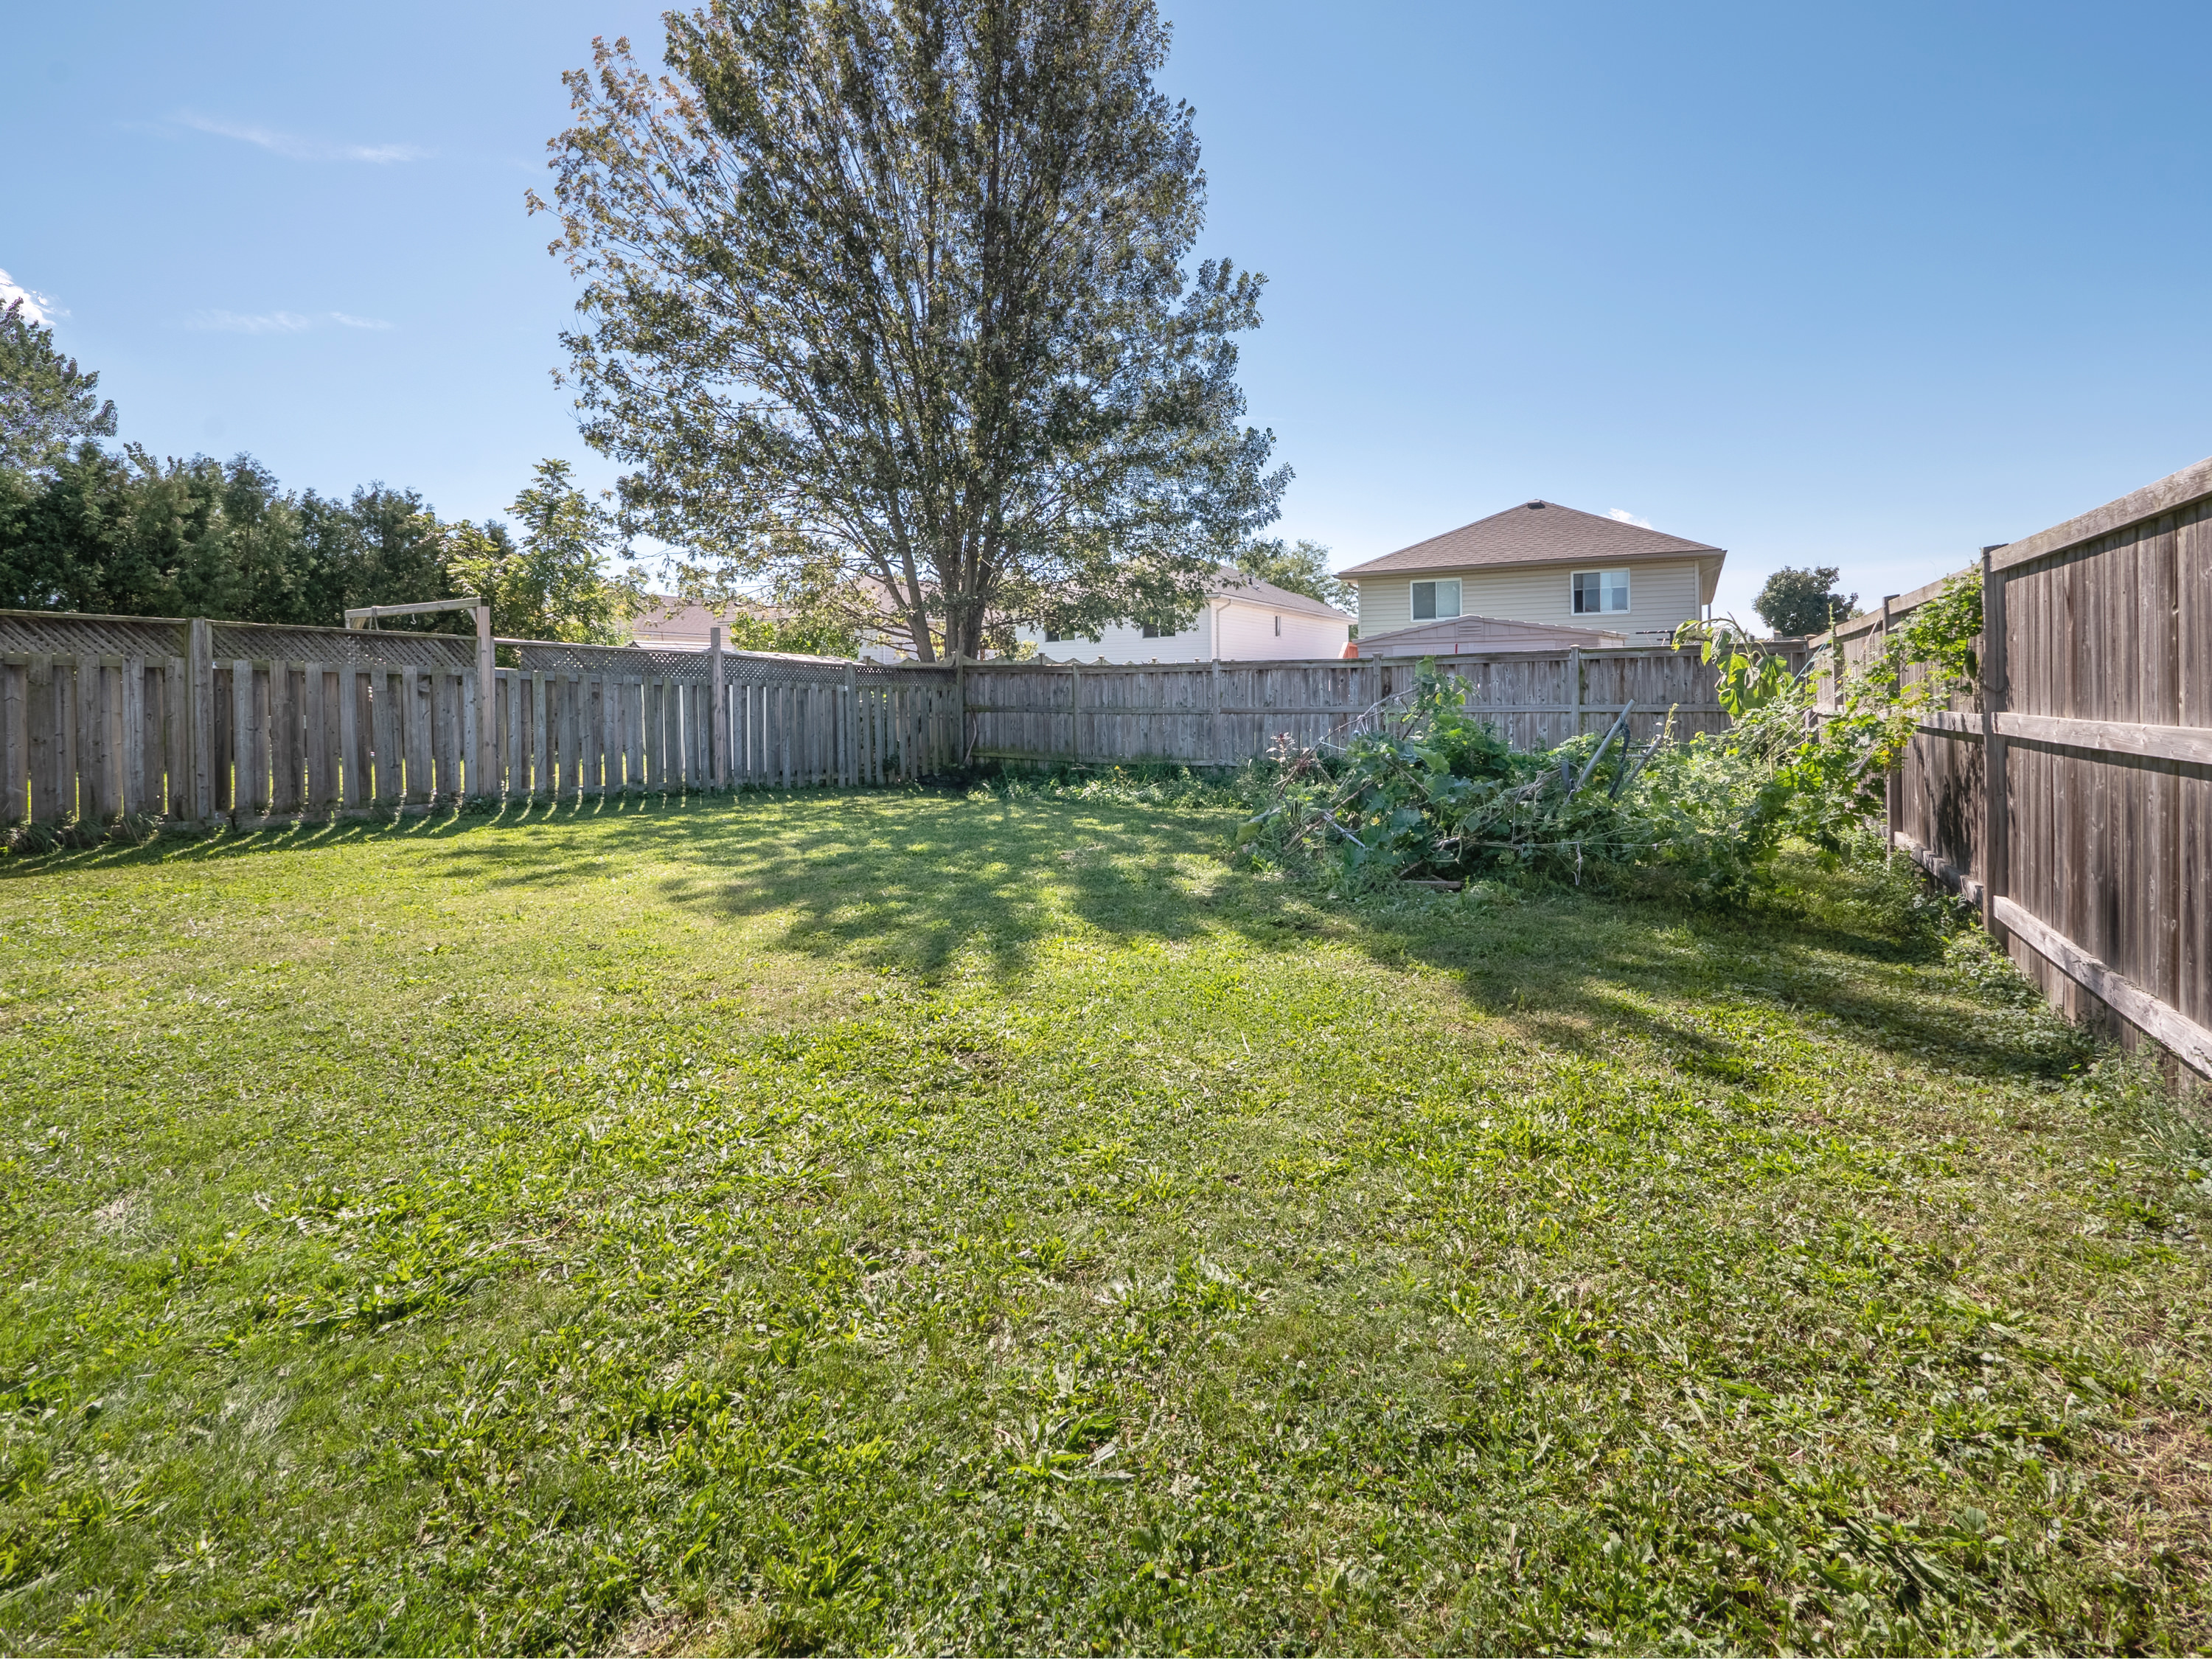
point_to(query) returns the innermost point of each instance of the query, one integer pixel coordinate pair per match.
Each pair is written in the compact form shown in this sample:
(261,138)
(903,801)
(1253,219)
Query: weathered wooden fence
(2070,794)
(105,716)
(1220,713)
(101,716)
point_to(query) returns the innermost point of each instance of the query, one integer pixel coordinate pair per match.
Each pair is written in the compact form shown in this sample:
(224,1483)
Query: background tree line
(85,526)
(126,534)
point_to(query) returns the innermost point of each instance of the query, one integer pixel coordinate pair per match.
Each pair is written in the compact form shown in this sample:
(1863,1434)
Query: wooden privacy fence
(101,716)
(105,716)
(1217,713)
(2070,794)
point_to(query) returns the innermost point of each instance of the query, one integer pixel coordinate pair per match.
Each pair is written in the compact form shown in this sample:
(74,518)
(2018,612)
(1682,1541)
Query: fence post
(718,710)
(848,748)
(1220,737)
(1574,692)
(200,648)
(1075,714)
(483,736)
(960,708)
(1892,794)
(1996,800)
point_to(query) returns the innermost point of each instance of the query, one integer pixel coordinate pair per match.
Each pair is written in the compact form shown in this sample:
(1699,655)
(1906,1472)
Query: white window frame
(1606,588)
(1437,600)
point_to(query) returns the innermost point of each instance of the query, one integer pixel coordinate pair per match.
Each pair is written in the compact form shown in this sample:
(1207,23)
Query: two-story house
(1542,563)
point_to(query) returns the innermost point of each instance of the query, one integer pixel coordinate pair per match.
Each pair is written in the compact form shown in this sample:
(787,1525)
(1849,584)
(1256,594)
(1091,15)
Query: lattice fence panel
(694,667)
(269,641)
(70,634)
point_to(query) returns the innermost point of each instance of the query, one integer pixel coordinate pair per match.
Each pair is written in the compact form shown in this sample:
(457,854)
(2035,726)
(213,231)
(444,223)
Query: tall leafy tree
(1302,568)
(130,535)
(45,400)
(1796,601)
(379,546)
(555,584)
(887,298)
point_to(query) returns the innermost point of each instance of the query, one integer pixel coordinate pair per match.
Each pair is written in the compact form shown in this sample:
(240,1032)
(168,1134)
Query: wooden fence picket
(15,742)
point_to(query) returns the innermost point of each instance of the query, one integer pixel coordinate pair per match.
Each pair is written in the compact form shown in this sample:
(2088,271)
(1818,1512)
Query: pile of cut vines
(1421,790)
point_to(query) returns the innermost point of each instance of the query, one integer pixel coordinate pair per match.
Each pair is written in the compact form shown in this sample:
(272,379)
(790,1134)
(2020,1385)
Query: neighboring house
(1543,563)
(1243,620)
(670,624)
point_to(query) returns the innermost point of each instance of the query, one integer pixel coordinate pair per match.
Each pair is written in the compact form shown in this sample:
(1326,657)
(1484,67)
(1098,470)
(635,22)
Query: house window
(1598,591)
(1279,628)
(1152,631)
(1053,636)
(1434,599)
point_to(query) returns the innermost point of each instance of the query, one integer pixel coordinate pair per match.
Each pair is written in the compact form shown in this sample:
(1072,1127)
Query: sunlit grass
(866,1221)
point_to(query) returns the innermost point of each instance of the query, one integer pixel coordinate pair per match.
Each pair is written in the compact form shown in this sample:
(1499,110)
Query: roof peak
(1518,535)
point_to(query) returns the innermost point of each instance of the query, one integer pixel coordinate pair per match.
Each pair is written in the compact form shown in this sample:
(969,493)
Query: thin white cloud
(1626,516)
(38,307)
(296,148)
(275,322)
(261,322)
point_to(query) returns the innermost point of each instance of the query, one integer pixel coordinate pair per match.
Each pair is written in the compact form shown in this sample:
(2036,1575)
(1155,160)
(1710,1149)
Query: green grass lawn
(900,1221)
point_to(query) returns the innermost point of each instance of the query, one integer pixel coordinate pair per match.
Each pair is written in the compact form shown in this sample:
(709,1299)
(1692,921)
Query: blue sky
(1866,287)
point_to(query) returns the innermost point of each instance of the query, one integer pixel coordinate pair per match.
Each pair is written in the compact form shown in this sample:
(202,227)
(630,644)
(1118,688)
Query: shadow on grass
(912,882)
(191,846)
(1596,965)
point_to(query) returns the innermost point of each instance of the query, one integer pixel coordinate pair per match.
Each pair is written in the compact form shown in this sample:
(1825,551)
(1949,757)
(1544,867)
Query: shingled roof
(1534,533)
(1235,584)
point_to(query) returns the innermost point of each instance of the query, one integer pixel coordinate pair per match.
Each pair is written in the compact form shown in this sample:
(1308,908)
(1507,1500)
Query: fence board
(350,795)
(414,720)
(229,745)
(288,737)
(176,735)
(15,742)
(314,710)
(572,736)
(38,697)
(130,733)
(514,741)
(468,701)
(95,795)
(2089,834)
(541,739)
(629,732)
(265,688)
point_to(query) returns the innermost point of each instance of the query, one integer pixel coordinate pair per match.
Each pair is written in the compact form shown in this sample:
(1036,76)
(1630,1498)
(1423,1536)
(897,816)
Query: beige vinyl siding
(1661,593)
(1386,604)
